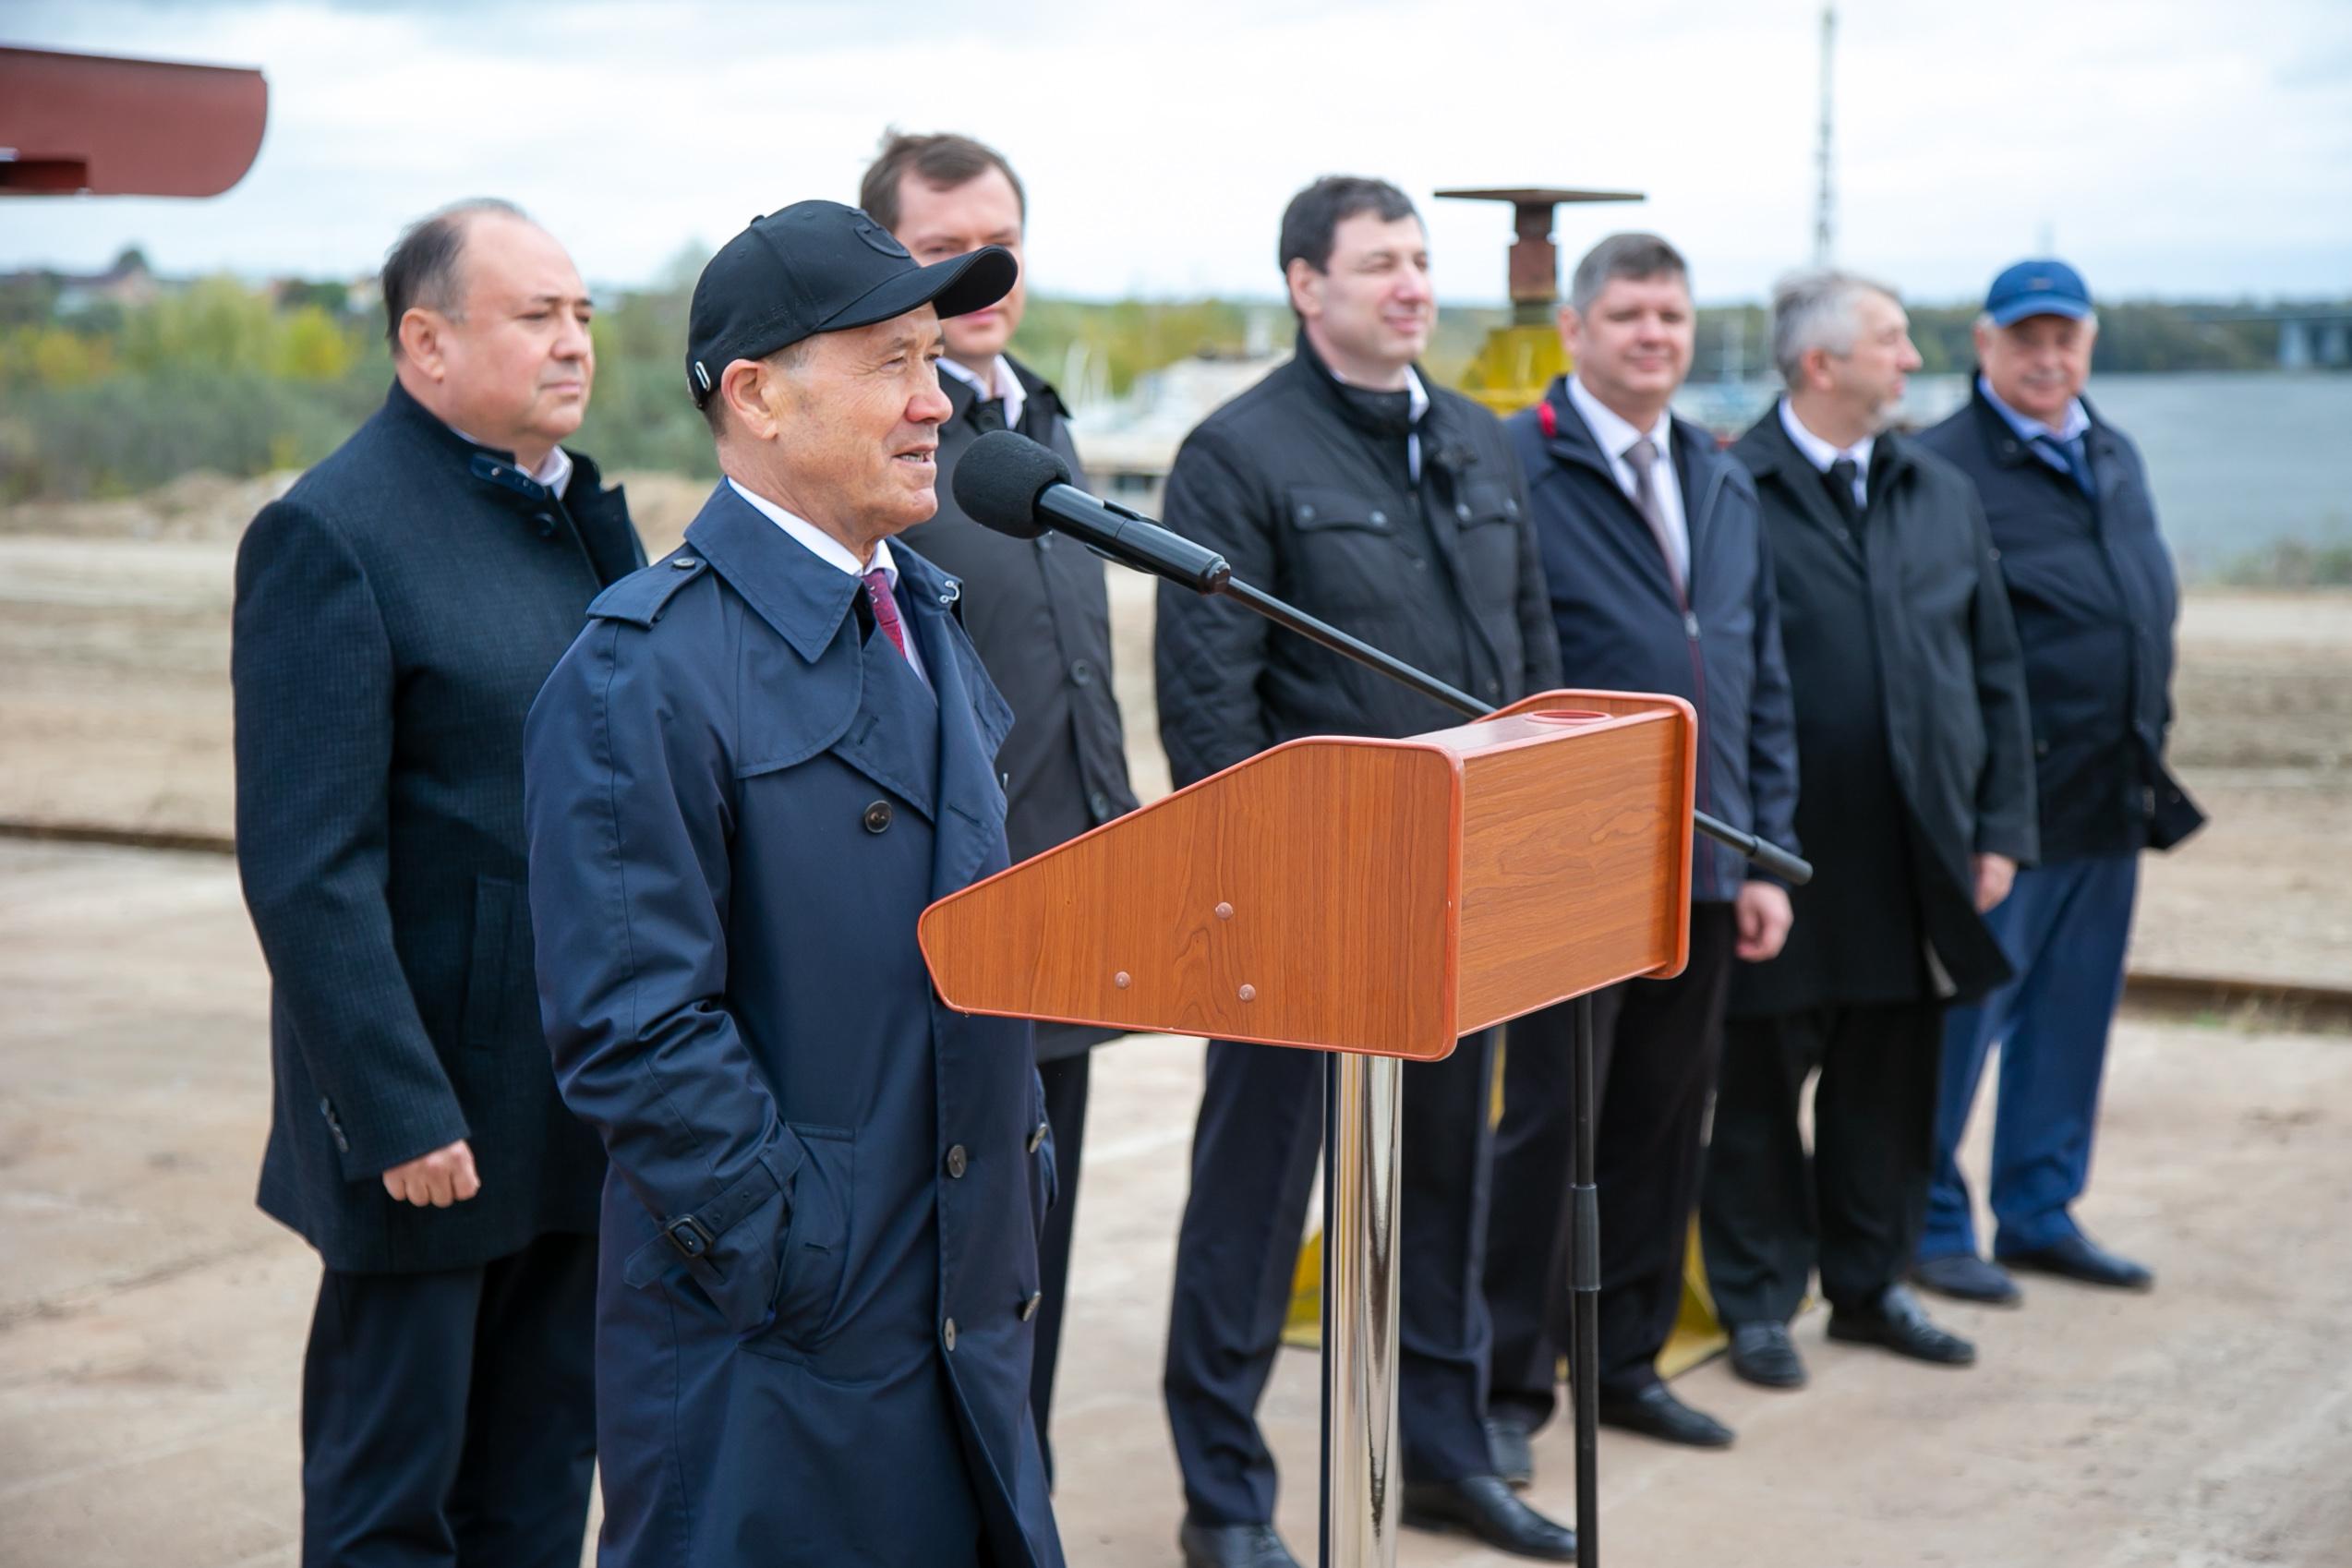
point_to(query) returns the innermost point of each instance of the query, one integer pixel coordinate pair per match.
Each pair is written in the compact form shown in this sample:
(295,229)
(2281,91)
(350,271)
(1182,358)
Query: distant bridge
(2310,339)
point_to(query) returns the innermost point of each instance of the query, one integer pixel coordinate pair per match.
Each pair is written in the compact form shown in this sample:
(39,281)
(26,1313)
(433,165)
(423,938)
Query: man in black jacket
(1037,610)
(395,614)
(1661,582)
(1347,485)
(1916,804)
(2092,590)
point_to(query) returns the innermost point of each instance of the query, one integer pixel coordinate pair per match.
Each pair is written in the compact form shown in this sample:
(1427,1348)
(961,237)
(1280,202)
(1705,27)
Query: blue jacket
(395,614)
(2091,588)
(819,1241)
(1624,627)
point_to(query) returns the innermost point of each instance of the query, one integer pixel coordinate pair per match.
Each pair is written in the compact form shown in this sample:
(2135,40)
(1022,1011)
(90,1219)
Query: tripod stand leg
(1584,1279)
(1363,1111)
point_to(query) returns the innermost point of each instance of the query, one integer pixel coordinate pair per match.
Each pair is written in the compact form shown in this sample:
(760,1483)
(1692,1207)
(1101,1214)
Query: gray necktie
(1639,457)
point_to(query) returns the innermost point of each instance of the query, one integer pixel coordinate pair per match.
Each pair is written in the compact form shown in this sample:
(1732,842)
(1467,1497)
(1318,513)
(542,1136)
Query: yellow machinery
(1513,367)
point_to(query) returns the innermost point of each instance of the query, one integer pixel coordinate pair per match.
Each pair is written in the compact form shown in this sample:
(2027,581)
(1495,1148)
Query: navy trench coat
(819,1236)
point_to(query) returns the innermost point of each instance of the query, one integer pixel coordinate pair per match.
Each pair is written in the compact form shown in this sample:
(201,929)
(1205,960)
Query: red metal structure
(71,124)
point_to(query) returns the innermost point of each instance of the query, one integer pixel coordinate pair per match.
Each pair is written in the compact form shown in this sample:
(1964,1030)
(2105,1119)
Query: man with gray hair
(1659,581)
(1916,804)
(395,614)
(2092,587)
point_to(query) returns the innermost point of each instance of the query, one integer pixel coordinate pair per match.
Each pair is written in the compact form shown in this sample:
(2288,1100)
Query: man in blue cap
(763,758)
(2091,588)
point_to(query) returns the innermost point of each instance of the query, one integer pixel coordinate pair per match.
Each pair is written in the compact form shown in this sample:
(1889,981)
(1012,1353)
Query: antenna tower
(1824,199)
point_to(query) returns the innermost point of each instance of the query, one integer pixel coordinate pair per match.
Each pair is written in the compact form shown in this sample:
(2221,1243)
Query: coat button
(1494,687)
(957,1161)
(1036,1137)
(1305,515)
(1081,673)
(878,816)
(1462,510)
(948,1334)
(1030,1303)
(685,563)
(1379,519)
(1099,806)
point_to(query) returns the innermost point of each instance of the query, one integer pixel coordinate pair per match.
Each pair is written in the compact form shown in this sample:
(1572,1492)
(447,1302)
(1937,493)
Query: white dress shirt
(1005,386)
(836,554)
(1616,436)
(1821,454)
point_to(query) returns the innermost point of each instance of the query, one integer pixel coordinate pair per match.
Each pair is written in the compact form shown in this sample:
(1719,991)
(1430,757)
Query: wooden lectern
(1376,899)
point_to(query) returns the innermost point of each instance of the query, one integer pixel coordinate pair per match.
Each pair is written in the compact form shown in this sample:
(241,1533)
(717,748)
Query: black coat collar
(1383,414)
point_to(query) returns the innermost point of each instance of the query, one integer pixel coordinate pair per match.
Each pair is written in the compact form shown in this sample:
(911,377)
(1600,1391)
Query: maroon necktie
(886,608)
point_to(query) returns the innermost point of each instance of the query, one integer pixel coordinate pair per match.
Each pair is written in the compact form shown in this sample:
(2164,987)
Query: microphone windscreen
(999,478)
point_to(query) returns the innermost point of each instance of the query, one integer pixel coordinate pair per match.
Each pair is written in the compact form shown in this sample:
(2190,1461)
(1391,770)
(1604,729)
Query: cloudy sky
(2168,147)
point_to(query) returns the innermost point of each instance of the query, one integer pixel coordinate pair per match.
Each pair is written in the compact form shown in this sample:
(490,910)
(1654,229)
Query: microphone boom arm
(1778,861)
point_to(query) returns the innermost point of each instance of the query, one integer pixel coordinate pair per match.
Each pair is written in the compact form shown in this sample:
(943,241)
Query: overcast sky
(2168,147)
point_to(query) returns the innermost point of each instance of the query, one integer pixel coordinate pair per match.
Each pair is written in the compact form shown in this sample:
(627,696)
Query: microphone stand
(1347,1092)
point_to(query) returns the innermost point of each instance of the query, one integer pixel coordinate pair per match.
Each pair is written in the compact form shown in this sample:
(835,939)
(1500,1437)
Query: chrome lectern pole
(1363,1122)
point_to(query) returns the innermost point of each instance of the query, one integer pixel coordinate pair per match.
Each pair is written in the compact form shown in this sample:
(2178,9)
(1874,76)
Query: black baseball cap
(820,266)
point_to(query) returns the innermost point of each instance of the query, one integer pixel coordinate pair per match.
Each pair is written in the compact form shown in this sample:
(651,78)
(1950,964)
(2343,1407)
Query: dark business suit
(395,614)
(819,1275)
(1038,611)
(1913,759)
(1714,640)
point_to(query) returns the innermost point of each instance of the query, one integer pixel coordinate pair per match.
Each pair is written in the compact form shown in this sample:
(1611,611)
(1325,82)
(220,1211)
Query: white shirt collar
(1613,430)
(819,543)
(1417,396)
(555,472)
(1005,386)
(1819,453)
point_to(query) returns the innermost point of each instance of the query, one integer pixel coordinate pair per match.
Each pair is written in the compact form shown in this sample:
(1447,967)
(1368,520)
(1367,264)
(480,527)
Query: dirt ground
(114,709)
(151,1320)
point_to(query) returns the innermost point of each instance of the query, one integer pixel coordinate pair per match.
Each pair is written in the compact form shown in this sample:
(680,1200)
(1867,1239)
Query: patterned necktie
(886,608)
(1639,457)
(988,414)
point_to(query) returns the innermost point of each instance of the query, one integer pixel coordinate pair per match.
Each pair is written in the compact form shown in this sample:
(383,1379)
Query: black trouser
(1253,1159)
(450,1417)
(1655,1043)
(1066,1081)
(1769,1214)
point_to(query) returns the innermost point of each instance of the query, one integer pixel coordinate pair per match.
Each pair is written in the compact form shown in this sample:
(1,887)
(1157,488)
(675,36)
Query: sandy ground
(151,1322)
(114,709)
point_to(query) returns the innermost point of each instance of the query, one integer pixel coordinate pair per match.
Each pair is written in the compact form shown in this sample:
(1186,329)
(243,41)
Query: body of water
(2241,462)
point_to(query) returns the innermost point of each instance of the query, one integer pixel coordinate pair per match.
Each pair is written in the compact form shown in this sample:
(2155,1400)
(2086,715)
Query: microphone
(1012,485)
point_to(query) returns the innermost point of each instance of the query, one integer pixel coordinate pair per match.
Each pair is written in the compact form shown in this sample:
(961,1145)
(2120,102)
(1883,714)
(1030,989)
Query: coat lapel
(972,721)
(1571,442)
(1801,480)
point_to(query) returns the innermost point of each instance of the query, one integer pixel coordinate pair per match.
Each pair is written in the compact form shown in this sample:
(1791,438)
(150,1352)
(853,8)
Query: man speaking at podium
(1393,509)
(763,758)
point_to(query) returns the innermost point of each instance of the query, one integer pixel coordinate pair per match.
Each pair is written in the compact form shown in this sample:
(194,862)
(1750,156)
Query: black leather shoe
(1763,1353)
(1964,1276)
(1232,1546)
(2081,1259)
(1482,1506)
(1507,1449)
(1654,1412)
(1901,1325)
